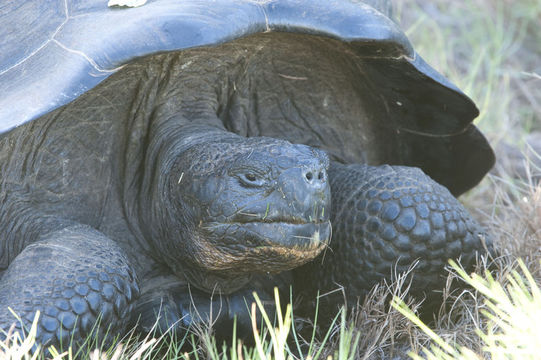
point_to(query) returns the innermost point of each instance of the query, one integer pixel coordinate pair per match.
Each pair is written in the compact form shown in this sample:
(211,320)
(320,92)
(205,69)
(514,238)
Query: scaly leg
(168,303)
(387,217)
(74,277)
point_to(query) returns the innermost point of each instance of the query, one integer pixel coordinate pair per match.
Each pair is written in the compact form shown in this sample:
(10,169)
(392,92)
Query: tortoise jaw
(300,236)
(234,251)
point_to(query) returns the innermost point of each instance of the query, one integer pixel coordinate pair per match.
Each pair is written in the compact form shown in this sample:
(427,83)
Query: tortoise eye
(250,179)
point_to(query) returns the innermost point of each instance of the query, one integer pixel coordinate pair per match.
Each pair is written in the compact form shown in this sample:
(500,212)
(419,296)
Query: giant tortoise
(159,161)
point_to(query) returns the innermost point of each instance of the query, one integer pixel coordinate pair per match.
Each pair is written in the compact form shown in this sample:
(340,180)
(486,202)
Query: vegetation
(491,50)
(509,327)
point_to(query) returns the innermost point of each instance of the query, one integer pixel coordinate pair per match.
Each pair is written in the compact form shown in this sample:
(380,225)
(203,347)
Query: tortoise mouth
(294,234)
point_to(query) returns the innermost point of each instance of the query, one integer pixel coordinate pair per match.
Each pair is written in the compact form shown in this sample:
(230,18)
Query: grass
(511,317)
(491,50)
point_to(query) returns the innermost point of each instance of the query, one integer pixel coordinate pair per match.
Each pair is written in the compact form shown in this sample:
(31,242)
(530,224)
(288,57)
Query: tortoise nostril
(315,177)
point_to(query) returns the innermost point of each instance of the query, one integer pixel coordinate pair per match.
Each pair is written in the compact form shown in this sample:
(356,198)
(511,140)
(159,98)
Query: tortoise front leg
(387,217)
(73,277)
(168,303)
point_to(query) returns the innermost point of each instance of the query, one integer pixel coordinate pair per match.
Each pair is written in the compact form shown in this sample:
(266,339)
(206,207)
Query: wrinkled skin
(249,205)
(178,186)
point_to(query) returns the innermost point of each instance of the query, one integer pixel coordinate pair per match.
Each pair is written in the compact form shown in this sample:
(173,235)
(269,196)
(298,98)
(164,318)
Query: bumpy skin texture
(387,218)
(192,162)
(73,277)
(168,304)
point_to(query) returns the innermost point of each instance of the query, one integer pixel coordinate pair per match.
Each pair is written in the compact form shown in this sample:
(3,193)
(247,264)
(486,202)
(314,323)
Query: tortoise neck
(214,282)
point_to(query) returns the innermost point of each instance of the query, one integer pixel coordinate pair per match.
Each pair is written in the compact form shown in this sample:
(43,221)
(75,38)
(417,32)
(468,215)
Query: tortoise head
(240,206)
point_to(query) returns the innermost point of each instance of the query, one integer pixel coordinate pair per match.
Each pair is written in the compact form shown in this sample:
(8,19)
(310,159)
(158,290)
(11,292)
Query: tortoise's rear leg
(389,217)
(73,277)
